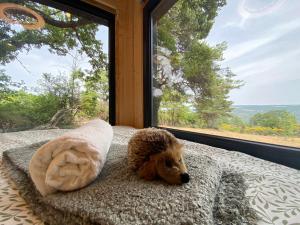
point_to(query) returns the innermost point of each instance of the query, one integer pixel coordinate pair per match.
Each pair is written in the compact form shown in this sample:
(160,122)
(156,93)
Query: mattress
(273,190)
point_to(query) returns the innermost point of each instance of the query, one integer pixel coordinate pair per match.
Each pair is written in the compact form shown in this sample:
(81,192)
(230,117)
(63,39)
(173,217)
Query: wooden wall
(129,59)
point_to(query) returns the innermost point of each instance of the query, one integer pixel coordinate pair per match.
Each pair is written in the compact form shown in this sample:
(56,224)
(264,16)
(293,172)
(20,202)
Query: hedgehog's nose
(185,177)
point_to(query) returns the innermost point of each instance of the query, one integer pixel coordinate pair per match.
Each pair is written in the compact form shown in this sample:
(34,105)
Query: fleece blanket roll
(72,160)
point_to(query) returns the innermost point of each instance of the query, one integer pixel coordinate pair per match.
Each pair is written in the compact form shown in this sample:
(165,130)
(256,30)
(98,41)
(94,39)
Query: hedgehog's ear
(148,170)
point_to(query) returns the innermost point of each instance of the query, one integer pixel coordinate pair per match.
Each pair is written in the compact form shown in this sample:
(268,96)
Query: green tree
(209,83)
(175,110)
(59,86)
(185,62)
(89,103)
(280,119)
(66,88)
(7,86)
(185,22)
(92,106)
(97,83)
(94,100)
(62,33)
(232,123)
(21,110)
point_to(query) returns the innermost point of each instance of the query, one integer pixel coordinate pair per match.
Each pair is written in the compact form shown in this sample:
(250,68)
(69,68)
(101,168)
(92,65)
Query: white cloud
(269,70)
(263,53)
(268,37)
(256,11)
(243,48)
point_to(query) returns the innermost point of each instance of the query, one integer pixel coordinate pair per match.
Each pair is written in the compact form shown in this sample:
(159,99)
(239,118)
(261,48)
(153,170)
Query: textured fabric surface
(119,197)
(273,190)
(72,160)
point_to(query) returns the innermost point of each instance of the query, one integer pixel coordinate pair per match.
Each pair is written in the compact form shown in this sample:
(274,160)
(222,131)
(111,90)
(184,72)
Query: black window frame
(288,156)
(102,17)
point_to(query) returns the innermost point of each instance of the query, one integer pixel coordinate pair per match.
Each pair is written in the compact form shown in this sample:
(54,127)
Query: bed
(273,190)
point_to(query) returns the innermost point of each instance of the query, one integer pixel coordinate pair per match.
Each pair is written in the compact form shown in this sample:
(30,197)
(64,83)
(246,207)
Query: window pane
(228,68)
(53,67)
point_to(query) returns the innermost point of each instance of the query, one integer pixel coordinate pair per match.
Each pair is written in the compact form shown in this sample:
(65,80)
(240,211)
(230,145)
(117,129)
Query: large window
(56,65)
(228,69)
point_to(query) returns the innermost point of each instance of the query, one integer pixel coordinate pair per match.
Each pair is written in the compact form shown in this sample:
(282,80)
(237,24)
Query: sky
(263,49)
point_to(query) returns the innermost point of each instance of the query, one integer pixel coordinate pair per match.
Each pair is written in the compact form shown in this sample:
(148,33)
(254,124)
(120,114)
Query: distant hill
(245,112)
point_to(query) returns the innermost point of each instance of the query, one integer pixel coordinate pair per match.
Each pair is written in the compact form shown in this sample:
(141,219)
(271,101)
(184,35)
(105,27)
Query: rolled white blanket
(72,160)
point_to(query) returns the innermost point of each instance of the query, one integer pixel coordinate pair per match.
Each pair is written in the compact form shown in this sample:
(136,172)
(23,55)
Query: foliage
(174,110)
(264,130)
(62,33)
(187,21)
(60,86)
(91,106)
(298,130)
(233,120)
(191,88)
(276,122)
(210,84)
(230,127)
(232,123)
(22,110)
(259,130)
(7,86)
(97,83)
(280,119)
(187,63)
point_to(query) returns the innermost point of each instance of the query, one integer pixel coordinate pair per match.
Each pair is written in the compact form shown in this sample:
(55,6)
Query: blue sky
(263,38)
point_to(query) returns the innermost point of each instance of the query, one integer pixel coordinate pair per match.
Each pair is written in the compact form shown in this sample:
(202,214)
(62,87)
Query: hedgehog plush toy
(154,153)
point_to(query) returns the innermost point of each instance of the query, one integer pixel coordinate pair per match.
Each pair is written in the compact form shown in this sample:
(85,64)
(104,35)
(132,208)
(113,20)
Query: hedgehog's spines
(147,142)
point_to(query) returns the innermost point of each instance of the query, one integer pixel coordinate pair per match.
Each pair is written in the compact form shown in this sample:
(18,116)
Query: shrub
(264,130)
(230,127)
(298,130)
(21,110)
(175,111)
(92,106)
(284,121)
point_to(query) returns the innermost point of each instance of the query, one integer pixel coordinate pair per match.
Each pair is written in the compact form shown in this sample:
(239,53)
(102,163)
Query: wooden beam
(138,65)
(129,59)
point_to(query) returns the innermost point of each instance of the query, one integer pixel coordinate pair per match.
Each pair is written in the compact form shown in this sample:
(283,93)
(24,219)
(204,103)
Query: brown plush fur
(156,153)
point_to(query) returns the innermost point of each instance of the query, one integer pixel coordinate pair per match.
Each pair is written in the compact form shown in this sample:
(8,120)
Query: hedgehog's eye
(168,163)
(180,160)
